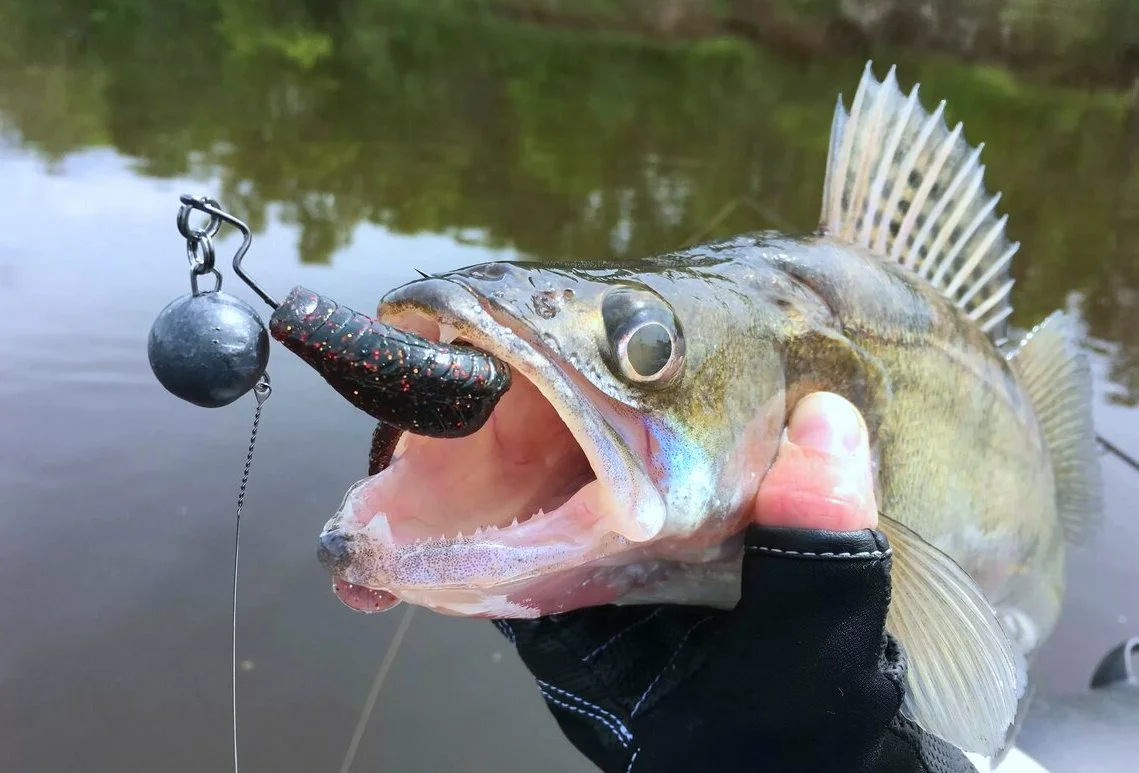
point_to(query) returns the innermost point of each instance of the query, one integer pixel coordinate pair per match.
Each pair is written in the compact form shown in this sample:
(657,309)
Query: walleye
(648,398)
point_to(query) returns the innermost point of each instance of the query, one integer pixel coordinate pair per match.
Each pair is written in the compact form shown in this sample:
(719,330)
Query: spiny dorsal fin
(1057,378)
(899,182)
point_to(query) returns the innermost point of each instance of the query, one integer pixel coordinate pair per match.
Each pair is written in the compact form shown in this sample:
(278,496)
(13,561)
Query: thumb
(822,476)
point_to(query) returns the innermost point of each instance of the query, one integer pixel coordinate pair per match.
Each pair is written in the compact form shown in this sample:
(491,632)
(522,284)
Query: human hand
(799,676)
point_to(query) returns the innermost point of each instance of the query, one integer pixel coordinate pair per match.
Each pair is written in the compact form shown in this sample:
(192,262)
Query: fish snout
(488,272)
(334,551)
(500,281)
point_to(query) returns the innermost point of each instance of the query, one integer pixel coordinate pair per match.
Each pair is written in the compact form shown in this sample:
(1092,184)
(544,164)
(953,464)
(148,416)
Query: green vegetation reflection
(556,143)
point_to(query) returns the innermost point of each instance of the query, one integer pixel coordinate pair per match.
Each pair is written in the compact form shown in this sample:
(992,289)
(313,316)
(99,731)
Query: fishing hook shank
(211,208)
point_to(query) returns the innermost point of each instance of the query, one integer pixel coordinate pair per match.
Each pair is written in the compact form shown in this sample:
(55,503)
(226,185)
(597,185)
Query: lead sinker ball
(208,349)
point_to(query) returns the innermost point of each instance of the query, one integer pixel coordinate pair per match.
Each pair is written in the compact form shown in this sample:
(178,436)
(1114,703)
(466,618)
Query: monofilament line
(1118,452)
(261,391)
(374,693)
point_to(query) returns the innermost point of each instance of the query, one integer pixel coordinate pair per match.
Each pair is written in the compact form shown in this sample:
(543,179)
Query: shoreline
(1042,55)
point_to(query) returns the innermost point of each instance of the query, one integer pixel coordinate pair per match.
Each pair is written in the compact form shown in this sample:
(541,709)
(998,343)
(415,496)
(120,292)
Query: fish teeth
(379,528)
(447,334)
(515,522)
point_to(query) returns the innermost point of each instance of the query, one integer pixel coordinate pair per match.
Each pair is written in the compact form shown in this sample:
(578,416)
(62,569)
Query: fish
(649,396)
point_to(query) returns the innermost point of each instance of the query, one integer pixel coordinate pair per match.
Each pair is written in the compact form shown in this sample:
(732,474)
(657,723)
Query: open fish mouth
(490,523)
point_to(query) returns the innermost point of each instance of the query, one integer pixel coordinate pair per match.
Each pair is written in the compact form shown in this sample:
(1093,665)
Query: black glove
(800,676)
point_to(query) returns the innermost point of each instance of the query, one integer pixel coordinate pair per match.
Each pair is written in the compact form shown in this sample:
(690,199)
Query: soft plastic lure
(405,381)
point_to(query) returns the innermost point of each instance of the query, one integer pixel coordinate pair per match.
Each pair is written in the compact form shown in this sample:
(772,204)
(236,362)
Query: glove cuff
(867,545)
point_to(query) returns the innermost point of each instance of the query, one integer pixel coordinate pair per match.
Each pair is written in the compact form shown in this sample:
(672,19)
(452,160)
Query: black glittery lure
(405,381)
(384,440)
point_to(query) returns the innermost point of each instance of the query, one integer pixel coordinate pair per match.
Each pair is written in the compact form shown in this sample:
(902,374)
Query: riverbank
(1073,42)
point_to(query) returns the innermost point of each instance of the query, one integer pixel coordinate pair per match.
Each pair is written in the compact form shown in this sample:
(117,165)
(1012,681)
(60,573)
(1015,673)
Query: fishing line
(772,218)
(1118,452)
(261,391)
(374,693)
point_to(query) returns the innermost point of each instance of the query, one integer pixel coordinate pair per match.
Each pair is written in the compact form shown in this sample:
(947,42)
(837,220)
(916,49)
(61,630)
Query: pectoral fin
(964,680)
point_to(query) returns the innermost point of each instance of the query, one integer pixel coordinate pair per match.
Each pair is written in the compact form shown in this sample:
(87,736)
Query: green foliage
(554,142)
(253,27)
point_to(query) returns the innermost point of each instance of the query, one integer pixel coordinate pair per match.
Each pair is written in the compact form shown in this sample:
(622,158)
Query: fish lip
(618,467)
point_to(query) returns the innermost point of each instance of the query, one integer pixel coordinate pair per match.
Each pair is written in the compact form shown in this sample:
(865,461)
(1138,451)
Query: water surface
(361,148)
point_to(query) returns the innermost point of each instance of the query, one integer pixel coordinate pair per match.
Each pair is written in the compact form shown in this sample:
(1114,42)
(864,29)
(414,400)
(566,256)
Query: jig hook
(217,217)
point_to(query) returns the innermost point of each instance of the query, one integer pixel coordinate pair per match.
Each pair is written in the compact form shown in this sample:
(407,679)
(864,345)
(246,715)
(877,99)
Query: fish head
(646,405)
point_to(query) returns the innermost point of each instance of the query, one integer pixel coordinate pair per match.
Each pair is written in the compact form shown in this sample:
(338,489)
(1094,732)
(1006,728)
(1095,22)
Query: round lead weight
(208,349)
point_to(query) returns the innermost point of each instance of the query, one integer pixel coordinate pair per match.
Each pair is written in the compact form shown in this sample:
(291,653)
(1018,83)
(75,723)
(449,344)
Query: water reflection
(559,146)
(354,137)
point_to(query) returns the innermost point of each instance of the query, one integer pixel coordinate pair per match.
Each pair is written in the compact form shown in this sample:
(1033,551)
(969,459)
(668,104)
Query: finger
(822,476)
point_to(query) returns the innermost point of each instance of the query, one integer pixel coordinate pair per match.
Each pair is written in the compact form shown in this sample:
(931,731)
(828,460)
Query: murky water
(360,150)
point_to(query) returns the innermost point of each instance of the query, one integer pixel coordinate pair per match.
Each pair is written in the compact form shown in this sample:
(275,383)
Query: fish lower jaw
(374,567)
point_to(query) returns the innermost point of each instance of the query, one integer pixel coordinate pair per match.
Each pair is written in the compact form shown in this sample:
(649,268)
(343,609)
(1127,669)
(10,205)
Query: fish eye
(645,342)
